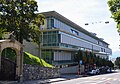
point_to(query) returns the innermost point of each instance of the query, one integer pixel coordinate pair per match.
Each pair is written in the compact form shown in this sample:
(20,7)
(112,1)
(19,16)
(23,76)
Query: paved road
(112,78)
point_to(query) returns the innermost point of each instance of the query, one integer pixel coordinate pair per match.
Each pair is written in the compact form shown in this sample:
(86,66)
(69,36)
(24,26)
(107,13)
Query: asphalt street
(111,78)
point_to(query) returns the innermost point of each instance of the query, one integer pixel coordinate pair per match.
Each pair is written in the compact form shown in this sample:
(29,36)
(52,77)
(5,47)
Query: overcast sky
(93,12)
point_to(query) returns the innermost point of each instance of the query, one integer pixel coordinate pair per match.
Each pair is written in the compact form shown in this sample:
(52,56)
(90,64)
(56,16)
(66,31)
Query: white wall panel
(74,41)
(59,24)
(58,56)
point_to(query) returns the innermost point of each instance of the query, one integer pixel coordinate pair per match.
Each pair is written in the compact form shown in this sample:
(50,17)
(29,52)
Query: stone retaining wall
(33,72)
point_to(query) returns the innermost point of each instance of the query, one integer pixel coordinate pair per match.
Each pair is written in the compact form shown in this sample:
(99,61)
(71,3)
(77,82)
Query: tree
(117,61)
(98,61)
(114,6)
(110,64)
(2,32)
(19,16)
(84,58)
(37,34)
(91,58)
(78,56)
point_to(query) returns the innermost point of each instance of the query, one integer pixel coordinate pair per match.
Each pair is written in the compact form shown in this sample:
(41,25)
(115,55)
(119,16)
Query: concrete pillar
(18,64)
(21,64)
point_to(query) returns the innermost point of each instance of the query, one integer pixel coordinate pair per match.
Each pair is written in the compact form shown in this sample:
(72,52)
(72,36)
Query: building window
(104,50)
(98,42)
(101,49)
(74,32)
(47,55)
(52,22)
(51,38)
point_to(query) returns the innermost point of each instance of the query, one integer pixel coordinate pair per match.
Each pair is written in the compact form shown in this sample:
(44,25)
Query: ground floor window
(47,55)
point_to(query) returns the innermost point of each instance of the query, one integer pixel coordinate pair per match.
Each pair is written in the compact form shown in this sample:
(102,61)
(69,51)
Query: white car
(109,70)
(92,72)
(97,71)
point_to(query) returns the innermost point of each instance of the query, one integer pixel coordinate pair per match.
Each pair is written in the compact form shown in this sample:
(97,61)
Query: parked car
(92,72)
(103,70)
(109,70)
(97,71)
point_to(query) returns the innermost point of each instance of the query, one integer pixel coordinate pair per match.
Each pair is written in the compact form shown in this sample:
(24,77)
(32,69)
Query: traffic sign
(80,61)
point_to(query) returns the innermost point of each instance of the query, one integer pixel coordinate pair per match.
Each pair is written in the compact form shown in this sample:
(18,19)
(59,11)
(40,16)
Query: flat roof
(70,23)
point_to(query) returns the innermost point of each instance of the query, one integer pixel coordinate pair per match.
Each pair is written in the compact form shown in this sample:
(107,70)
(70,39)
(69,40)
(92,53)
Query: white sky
(87,11)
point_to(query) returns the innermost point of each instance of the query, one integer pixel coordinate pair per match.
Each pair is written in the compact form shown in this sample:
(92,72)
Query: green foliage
(28,58)
(2,32)
(36,34)
(103,62)
(78,56)
(114,6)
(110,64)
(9,53)
(34,60)
(19,16)
(84,58)
(91,59)
(117,61)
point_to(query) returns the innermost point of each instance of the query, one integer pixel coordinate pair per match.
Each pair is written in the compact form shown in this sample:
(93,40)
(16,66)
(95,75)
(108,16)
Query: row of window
(102,50)
(61,45)
(47,56)
(55,23)
(53,38)
(68,46)
(74,32)
(51,32)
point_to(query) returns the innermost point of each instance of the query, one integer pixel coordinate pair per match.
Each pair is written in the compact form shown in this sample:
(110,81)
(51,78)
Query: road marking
(95,78)
(108,83)
(103,78)
(115,79)
(109,78)
(86,82)
(91,83)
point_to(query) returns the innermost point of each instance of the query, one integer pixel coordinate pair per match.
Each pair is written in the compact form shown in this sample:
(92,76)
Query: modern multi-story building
(61,38)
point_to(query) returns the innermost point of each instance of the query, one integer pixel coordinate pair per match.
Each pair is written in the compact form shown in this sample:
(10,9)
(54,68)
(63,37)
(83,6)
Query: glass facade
(68,46)
(56,38)
(50,22)
(53,23)
(60,39)
(47,55)
(51,38)
(60,24)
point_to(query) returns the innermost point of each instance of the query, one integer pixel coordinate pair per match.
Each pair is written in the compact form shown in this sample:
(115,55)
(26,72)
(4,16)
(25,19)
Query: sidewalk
(45,81)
